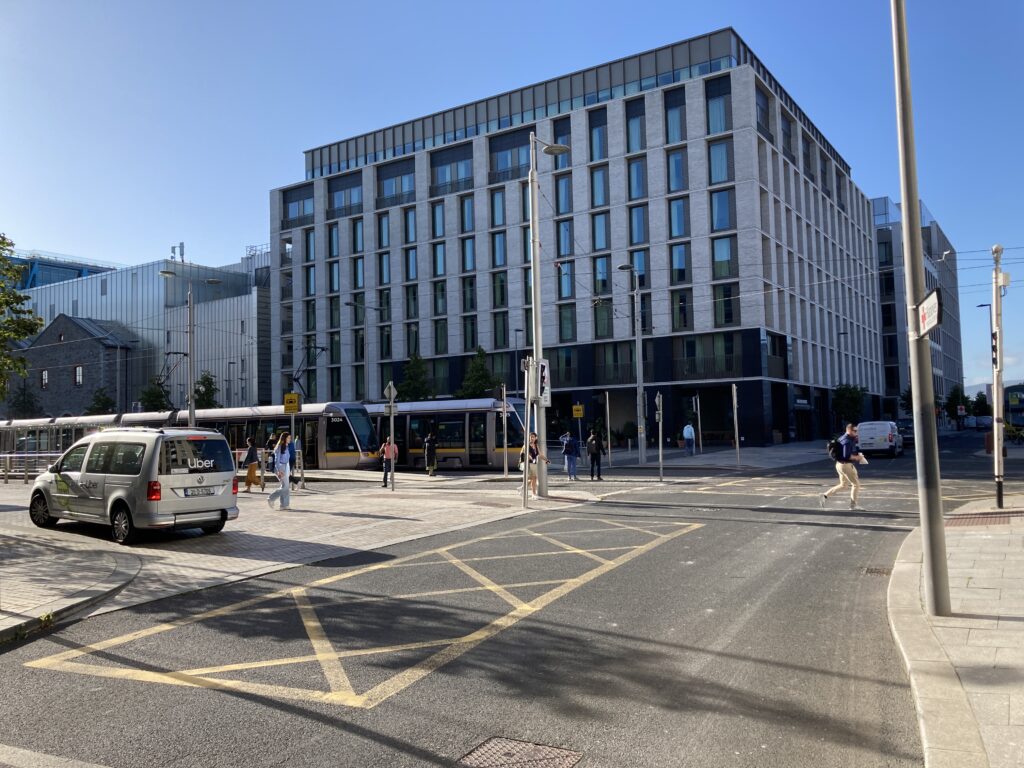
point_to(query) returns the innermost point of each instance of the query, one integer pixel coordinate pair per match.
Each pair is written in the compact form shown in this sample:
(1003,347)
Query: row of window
(76,377)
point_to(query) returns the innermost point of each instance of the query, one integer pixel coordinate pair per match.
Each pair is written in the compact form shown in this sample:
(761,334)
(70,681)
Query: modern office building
(45,268)
(148,306)
(753,248)
(940,271)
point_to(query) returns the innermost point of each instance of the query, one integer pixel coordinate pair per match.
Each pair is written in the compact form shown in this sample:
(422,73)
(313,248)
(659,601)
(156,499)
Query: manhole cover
(499,753)
(878,571)
(982,518)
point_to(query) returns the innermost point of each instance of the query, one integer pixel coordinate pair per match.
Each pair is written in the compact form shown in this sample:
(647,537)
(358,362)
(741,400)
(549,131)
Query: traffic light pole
(997,371)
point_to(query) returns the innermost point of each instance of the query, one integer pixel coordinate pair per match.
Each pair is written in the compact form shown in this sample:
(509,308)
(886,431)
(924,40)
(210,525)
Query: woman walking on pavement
(281,469)
(532,455)
(251,462)
(430,454)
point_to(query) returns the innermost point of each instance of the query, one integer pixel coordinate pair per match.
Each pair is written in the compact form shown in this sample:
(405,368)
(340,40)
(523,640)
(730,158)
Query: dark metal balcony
(788,155)
(777,367)
(298,221)
(451,187)
(726,366)
(345,210)
(763,130)
(400,199)
(497,177)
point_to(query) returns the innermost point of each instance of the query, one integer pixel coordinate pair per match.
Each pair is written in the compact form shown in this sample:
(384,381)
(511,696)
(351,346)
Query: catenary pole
(926,452)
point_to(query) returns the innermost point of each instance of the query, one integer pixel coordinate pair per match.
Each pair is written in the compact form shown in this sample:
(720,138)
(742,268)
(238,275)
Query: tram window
(339,436)
(419,428)
(515,432)
(451,432)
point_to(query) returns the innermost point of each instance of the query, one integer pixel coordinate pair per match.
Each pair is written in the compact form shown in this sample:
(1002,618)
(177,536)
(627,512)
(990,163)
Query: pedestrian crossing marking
(325,652)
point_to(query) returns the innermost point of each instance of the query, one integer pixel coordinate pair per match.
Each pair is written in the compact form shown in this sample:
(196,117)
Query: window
(884,254)
(603,327)
(310,245)
(333,246)
(357,235)
(720,161)
(384,334)
(723,210)
(468,247)
(409,225)
(469,343)
(441,337)
(598,120)
(675,115)
(412,301)
(383,230)
(565,272)
(599,186)
(44,379)
(763,114)
(679,217)
(636,126)
(497,207)
(334,347)
(719,108)
(724,258)
(411,270)
(309,273)
(787,136)
(469,294)
(358,304)
(500,324)
(466,218)
(527,245)
(679,263)
(566,322)
(602,275)
(499,255)
(638,225)
(681,310)
(384,268)
(334,277)
(438,260)
(412,339)
(524,196)
(563,136)
(639,261)
(727,304)
(440,297)
(563,194)
(805,154)
(600,231)
(334,312)
(437,219)
(637,178)
(676,161)
(565,238)
(499,289)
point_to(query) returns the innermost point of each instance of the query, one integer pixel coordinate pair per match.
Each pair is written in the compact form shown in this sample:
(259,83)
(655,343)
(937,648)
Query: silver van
(140,477)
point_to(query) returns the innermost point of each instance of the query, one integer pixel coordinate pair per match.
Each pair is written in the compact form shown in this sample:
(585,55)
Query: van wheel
(215,527)
(39,512)
(121,526)
(892,452)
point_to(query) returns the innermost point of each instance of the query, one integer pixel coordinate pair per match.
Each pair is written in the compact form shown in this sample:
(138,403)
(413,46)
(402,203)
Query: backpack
(835,449)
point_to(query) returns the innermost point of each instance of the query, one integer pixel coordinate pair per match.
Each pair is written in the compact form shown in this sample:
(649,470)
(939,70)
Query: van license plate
(199,491)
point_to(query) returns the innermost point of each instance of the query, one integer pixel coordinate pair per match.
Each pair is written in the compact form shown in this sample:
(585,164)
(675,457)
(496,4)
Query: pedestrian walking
(846,453)
(530,456)
(595,449)
(388,452)
(293,464)
(281,469)
(571,451)
(251,462)
(689,438)
(430,454)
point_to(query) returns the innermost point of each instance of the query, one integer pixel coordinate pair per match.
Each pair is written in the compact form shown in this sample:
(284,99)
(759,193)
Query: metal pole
(735,425)
(641,432)
(504,427)
(394,443)
(608,424)
(700,435)
(535,313)
(997,372)
(661,442)
(926,454)
(192,360)
(527,391)
(119,379)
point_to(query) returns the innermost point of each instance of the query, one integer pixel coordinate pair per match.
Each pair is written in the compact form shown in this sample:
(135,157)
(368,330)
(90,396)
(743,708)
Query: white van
(880,437)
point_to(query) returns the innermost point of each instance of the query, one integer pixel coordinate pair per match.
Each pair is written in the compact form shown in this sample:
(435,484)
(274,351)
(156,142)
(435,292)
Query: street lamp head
(625,267)
(168,273)
(985,305)
(213,281)
(555,149)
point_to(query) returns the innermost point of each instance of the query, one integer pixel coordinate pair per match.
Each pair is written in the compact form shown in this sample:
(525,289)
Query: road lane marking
(322,647)
(571,549)
(478,577)
(22,758)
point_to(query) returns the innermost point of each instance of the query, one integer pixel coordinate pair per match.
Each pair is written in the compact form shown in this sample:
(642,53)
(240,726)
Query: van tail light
(234,486)
(153,491)
(890,437)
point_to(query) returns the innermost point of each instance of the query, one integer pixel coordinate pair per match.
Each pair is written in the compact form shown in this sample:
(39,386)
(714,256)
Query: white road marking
(22,758)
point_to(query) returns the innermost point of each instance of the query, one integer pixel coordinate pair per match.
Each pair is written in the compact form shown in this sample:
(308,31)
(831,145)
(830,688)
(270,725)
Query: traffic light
(543,383)
(995,349)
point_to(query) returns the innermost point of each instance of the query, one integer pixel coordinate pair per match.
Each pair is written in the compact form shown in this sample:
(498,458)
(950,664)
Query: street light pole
(641,431)
(999,279)
(517,332)
(191,331)
(537,324)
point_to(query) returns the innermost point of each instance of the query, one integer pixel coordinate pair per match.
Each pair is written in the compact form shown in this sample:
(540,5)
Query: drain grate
(878,571)
(982,518)
(508,753)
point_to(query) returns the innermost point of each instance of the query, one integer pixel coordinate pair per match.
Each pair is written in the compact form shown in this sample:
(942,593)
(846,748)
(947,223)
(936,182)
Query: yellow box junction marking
(340,690)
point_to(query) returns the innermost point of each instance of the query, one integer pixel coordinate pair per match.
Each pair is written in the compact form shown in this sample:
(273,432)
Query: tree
(415,385)
(16,322)
(848,403)
(981,406)
(155,397)
(206,391)
(954,400)
(101,403)
(907,400)
(478,381)
(23,403)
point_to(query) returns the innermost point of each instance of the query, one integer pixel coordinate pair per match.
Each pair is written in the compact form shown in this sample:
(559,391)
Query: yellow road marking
(631,527)
(570,549)
(322,647)
(478,577)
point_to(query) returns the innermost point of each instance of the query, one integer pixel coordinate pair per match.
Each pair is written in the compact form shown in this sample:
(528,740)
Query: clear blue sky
(129,126)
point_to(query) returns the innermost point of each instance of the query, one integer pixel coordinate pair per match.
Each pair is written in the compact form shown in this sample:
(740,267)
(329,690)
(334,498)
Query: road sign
(961,410)
(292,402)
(390,391)
(929,312)
(577,411)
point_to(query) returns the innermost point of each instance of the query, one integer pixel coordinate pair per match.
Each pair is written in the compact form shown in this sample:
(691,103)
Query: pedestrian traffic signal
(995,349)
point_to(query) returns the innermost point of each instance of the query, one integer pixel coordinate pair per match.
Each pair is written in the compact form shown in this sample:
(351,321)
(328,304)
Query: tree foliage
(155,397)
(955,399)
(23,403)
(206,391)
(848,403)
(101,403)
(478,381)
(17,322)
(415,384)
(981,406)
(907,400)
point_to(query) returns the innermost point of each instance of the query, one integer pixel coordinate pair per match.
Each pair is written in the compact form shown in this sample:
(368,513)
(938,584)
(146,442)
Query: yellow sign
(577,411)
(292,402)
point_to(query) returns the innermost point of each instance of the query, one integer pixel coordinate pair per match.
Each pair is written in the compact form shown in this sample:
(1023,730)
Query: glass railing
(345,210)
(706,367)
(297,221)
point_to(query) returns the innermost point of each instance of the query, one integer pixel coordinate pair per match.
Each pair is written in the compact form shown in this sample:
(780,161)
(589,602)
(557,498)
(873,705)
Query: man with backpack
(571,451)
(845,452)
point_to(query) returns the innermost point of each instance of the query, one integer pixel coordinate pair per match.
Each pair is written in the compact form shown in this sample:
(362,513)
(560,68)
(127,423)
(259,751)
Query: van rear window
(181,456)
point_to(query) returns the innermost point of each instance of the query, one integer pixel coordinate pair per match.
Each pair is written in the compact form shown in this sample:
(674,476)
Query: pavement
(966,670)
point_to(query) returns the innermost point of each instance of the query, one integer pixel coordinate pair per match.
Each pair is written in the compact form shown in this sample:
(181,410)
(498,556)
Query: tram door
(478,456)
(310,443)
